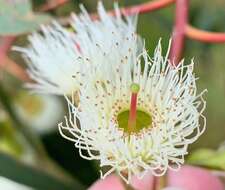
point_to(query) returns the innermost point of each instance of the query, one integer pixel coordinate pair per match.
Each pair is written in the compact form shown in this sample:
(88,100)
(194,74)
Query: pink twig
(5,44)
(14,69)
(146,7)
(132,10)
(6,63)
(204,36)
(181,19)
(181,27)
(52,4)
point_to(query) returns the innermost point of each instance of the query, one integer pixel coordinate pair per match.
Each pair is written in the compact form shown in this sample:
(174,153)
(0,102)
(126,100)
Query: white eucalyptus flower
(35,110)
(57,56)
(141,118)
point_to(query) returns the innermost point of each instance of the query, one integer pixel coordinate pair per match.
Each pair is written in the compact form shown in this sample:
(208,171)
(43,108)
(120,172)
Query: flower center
(143,120)
(133,120)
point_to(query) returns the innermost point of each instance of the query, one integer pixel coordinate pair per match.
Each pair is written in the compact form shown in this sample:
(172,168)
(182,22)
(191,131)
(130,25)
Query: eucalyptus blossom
(62,59)
(140,118)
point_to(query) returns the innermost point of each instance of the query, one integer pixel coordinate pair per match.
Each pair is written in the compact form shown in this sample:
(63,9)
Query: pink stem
(146,7)
(204,36)
(14,69)
(5,44)
(178,37)
(52,4)
(6,63)
(135,9)
(181,27)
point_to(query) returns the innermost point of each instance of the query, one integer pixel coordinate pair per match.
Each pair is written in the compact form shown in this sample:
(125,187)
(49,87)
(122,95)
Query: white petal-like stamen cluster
(167,93)
(57,55)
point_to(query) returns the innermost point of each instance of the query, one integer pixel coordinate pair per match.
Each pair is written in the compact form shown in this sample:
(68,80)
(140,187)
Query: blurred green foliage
(9,141)
(208,158)
(17,17)
(31,177)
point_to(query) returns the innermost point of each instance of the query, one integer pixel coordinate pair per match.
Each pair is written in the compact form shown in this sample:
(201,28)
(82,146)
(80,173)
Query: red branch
(178,38)
(146,7)
(204,36)
(6,63)
(132,10)
(181,28)
(52,4)
(14,69)
(5,44)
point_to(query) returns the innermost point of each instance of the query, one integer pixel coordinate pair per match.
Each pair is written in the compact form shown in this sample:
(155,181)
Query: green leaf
(208,158)
(16,17)
(8,139)
(26,131)
(27,175)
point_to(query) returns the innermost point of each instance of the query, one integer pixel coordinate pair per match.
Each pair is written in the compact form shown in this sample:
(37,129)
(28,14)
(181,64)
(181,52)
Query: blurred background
(41,113)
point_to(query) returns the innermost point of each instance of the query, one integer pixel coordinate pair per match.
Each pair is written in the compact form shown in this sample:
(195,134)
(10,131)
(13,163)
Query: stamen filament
(133,108)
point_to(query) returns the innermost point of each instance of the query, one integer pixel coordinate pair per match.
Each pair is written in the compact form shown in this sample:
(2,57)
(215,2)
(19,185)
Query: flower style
(57,56)
(140,118)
